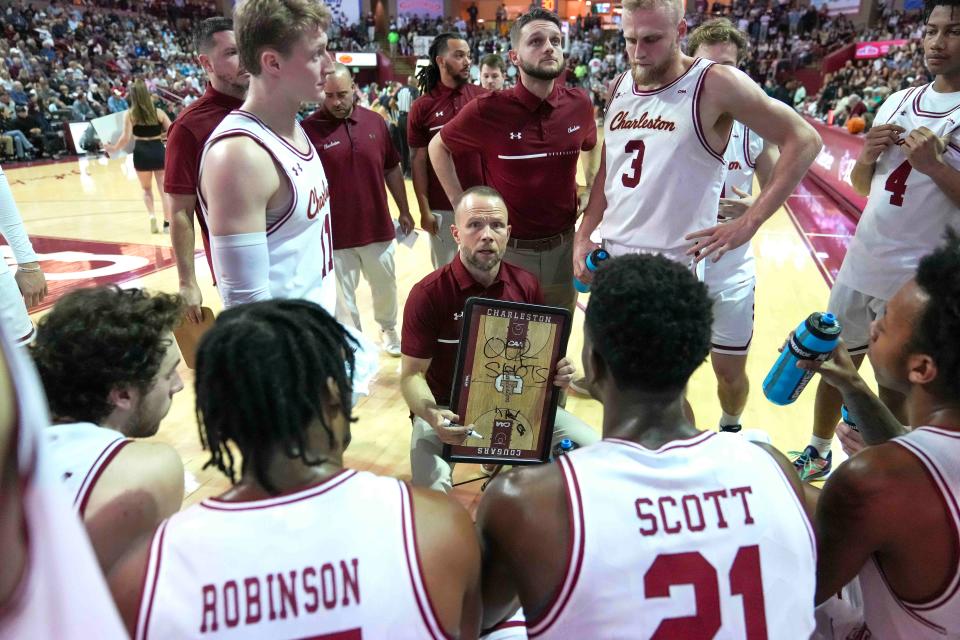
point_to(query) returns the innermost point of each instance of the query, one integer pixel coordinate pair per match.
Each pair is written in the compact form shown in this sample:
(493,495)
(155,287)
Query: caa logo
(316,202)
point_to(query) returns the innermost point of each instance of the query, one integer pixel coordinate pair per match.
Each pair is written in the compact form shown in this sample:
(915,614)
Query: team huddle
(651,528)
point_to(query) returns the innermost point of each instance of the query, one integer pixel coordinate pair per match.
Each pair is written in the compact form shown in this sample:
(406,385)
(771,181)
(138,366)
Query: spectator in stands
(17,93)
(117,103)
(81,108)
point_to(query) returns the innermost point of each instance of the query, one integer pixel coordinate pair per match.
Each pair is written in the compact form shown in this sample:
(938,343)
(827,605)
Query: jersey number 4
(632,178)
(691,568)
(896,183)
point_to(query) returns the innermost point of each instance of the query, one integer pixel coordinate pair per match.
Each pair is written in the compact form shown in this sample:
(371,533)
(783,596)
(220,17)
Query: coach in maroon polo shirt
(358,158)
(432,320)
(446,89)
(529,138)
(216,50)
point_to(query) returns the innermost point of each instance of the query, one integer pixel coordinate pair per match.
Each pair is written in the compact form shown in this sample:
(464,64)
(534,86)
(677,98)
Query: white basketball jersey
(886,615)
(62,593)
(737,266)
(299,239)
(703,537)
(337,560)
(663,180)
(907,213)
(79,453)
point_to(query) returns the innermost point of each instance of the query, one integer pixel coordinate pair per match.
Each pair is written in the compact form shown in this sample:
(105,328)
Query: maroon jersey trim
(25,339)
(616,86)
(746,148)
(93,474)
(743,348)
(310,153)
(638,92)
(154,563)
(428,612)
(903,100)
(918,110)
(325,485)
(236,133)
(698,126)
(698,439)
(575,552)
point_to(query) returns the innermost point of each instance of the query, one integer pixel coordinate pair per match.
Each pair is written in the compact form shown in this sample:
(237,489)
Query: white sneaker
(391,342)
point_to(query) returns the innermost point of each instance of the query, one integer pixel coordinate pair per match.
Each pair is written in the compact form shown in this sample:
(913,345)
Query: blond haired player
(263,190)
(732,279)
(666,129)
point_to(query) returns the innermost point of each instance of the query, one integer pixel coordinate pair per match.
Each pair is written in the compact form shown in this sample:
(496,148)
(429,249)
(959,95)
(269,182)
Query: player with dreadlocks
(889,514)
(274,386)
(444,90)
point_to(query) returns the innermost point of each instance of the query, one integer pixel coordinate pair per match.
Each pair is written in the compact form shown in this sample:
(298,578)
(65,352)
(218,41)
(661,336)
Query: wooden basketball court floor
(69,206)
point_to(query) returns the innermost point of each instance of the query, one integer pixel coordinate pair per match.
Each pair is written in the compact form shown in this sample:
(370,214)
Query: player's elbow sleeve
(242,265)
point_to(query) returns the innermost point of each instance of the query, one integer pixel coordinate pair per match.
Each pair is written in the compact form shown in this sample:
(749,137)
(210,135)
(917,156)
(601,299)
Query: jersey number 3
(693,569)
(896,183)
(632,179)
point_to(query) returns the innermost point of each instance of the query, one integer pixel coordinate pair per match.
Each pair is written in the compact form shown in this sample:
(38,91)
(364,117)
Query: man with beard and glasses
(432,320)
(108,362)
(354,145)
(444,90)
(529,138)
(666,129)
(217,53)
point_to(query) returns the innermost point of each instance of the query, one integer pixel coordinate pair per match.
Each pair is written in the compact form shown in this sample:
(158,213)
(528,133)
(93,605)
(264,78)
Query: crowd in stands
(73,62)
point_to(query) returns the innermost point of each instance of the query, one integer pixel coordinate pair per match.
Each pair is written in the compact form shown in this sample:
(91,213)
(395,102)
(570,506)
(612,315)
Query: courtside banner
(876,49)
(833,165)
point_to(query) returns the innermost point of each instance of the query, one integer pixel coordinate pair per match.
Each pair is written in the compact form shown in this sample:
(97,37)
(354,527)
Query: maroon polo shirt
(428,114)
(185,140)
(529,149)
(356,152)
(433,315)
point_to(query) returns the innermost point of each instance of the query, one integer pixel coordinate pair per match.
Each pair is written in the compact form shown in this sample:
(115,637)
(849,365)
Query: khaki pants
(431,470)
(553,268)
(442,246)
(375,261)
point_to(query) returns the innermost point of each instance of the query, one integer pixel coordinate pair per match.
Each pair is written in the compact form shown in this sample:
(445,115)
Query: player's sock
(727,420)
(822,445)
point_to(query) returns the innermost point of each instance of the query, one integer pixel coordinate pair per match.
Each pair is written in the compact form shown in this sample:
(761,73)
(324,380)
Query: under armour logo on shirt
(297,169)
(458,315)
(516,135)
(438,114)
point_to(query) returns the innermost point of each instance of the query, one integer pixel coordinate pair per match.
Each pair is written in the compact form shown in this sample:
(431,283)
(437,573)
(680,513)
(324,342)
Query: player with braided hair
(301,546)
(889,514)
(445,89)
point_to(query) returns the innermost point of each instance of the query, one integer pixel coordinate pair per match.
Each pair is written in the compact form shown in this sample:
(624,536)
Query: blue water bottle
(846,417)
(564,447)
(814,339)
(593,263)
